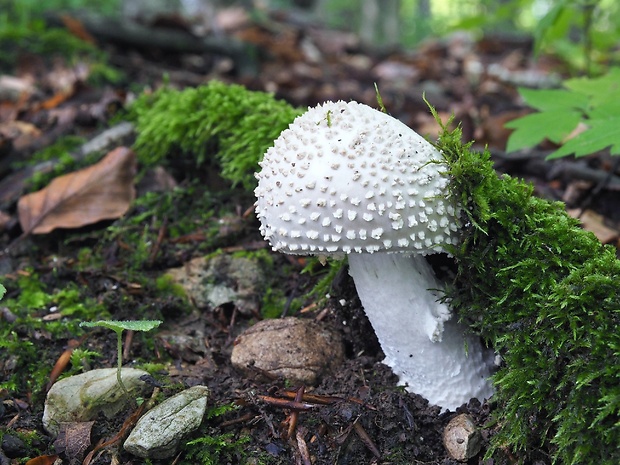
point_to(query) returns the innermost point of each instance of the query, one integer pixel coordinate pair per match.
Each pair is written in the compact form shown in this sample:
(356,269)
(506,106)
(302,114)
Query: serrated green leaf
(608,109)
(116,325)
(603,133)
(532,129)
(554,99)
(600,89)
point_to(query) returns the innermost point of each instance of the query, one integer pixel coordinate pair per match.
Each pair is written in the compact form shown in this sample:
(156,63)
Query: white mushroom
(347,179)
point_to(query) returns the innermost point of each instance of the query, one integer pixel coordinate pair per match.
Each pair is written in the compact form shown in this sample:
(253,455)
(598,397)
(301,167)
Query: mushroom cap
(346,178)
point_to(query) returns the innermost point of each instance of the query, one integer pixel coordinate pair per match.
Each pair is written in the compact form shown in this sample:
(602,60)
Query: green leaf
(532,129)
(116,325)
(550,24)
(554,99)
(608,109)
(603,133)
(2,291)
(600,90)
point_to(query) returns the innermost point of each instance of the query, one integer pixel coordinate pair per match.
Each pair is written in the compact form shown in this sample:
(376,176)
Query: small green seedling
(118,327)
(379,99)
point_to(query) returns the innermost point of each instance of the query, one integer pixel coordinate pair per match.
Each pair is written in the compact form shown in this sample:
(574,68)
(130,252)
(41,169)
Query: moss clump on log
(546,295)
(226,123)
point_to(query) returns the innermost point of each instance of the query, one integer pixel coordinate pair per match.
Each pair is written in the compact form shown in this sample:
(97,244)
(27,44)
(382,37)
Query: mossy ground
(552,321)
(114,270)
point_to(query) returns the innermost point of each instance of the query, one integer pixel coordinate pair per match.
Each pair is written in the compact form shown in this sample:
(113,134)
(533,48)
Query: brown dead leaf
(43,460)
(21,134)
(581,127)
(595,223)
(76,27)
(74,439)
(102,191)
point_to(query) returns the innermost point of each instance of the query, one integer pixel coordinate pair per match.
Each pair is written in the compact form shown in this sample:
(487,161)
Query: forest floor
(373,420)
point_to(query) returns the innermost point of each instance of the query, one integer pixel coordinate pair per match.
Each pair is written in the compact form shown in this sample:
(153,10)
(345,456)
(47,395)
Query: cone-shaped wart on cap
(347,179)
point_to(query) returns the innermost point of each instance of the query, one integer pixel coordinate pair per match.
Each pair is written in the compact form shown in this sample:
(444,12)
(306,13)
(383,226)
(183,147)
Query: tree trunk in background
(424,9)
(379,23)
(423,17)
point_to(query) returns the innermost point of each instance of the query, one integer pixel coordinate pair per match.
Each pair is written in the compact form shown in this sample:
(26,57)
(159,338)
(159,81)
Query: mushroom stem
(432,353)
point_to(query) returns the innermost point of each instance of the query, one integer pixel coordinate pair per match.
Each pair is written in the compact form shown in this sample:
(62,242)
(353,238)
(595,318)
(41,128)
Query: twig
(604,179)
(324,400)
(290,404)
(160,238)
(132,34)
(241,419)
(366,439)
(303,448)
(292,421)
(127,344)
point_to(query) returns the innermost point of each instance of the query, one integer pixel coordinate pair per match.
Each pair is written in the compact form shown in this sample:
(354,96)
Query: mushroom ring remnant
(345,179)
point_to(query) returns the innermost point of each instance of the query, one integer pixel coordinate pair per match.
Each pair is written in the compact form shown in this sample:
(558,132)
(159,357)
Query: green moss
(166,286)
(214,447)
(28,36)
(325,275)
(188,210)
(81,360)
(216,122)
(273,303)
(36,38)
(26,340)
(546,294)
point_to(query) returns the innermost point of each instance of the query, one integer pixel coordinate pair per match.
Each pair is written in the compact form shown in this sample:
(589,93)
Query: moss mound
(227,123)
(546,295)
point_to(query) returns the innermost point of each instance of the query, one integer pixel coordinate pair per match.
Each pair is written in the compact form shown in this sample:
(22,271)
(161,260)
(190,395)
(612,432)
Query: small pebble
(462,438)
(159,432)
(83,397)
(295,349)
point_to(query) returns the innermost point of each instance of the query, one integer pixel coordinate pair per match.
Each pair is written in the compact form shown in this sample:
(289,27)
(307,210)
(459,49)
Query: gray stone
(159,433)
(82,397)
(222,279)
(296,349)
(462,438)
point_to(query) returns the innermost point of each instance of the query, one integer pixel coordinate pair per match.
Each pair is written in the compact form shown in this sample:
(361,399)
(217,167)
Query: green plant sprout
(118,327)
(584,117)
(81,358)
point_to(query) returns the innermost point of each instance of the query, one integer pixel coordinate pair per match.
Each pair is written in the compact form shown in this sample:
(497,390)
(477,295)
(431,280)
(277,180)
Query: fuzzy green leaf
(603,133)
(116,325)
(532,129)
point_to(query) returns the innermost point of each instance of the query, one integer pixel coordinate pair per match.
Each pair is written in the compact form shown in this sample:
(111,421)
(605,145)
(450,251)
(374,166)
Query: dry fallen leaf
(74,439)
(43,460)
(102,191)
(595,223)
